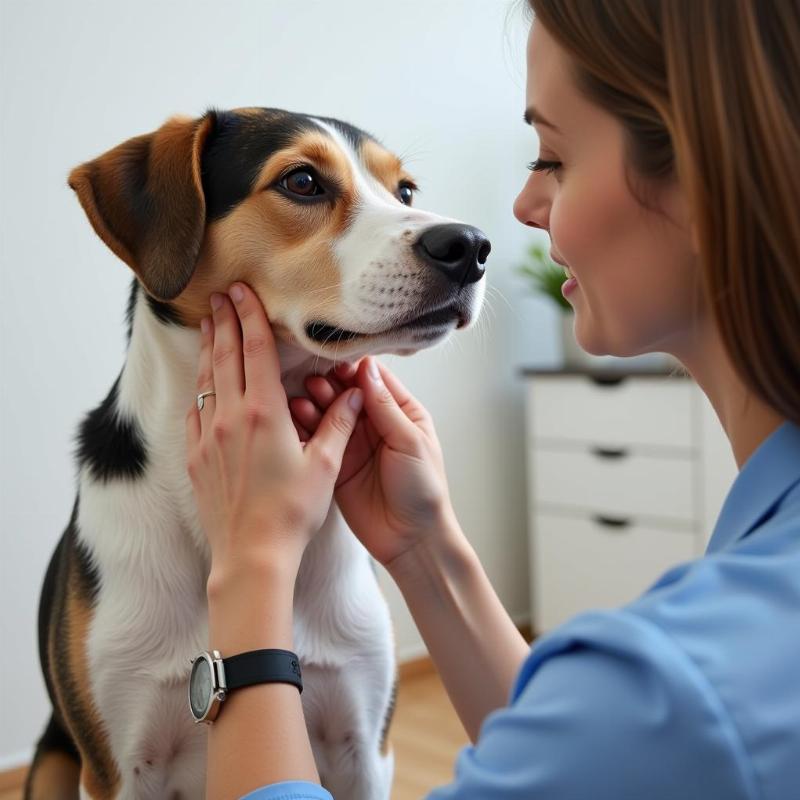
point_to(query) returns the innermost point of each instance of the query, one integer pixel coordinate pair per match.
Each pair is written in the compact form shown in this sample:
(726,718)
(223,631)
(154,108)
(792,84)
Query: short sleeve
(290,790)
(607,707)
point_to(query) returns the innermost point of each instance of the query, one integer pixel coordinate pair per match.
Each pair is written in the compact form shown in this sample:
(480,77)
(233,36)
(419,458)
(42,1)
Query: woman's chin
(596,344)
(589,341)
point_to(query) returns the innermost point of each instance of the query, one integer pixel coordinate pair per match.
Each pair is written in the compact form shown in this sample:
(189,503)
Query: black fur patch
(236,150)
(134,292)
(112,447)
(165,313)
(240,144)
(387,720)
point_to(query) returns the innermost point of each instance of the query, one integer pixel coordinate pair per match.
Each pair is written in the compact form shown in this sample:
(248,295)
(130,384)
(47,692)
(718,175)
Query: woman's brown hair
(707,92)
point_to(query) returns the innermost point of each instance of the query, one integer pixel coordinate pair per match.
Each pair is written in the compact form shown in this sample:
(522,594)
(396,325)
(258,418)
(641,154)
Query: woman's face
(637,275)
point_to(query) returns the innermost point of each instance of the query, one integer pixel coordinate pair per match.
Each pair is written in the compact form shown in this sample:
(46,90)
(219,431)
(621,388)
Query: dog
(318,218)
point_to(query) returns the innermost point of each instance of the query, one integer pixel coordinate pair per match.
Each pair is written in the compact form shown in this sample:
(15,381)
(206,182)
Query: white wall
(440,82)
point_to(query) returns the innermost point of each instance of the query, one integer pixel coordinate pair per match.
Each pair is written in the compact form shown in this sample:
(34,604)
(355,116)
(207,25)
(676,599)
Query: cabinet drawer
(651,411)
(626,485)
(578,564)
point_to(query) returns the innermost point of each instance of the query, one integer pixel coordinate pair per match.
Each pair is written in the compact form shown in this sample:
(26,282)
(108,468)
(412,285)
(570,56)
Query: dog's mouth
(323,333)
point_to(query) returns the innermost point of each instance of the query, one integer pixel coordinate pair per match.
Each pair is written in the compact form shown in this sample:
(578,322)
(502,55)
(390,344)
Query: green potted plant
(545,275)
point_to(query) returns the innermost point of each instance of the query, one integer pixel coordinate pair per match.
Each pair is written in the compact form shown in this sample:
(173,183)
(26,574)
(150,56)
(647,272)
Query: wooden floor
(426,735)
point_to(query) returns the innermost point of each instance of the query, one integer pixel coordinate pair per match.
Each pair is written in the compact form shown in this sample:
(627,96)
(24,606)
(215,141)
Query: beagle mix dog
(317,217)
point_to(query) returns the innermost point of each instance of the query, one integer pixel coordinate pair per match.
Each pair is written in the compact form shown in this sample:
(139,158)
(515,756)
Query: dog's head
(314,214)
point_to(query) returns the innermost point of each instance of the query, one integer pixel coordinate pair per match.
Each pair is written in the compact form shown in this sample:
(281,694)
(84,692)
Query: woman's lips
(571,283)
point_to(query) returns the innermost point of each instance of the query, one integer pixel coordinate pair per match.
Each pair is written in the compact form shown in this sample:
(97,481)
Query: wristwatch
(214,677)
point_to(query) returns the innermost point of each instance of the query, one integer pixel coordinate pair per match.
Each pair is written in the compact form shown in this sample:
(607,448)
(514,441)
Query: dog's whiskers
(483,327)
(511,308)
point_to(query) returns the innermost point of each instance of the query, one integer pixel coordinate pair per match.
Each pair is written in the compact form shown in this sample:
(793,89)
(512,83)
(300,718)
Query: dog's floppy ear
(145,200)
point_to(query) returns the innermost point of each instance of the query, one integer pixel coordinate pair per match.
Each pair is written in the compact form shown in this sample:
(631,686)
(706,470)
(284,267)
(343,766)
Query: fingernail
(372,370)
(205,325)
(237,293)
(356,400)
(216,301)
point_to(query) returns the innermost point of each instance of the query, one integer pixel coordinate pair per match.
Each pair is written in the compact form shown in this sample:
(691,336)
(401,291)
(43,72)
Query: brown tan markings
(385,166)
(142,230)
(71,679)
(282,249)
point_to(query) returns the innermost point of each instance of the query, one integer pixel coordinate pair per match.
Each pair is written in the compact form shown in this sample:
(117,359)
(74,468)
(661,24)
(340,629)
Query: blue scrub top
(691,691)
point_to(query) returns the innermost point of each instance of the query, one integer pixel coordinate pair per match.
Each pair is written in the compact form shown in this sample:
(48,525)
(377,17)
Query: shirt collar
(764,480)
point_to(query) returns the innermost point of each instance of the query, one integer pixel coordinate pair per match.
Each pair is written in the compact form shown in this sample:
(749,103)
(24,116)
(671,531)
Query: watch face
(200,687)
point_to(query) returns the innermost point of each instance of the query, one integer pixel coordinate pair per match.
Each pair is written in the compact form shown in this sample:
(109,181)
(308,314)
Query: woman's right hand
(392,489)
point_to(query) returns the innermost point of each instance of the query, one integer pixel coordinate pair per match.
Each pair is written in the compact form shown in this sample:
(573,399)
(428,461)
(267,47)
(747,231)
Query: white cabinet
(626,475)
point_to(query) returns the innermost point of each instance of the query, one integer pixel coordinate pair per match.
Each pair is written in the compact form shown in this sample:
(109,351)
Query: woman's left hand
(262,494)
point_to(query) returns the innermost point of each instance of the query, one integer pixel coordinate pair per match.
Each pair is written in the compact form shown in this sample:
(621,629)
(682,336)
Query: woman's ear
(145,200)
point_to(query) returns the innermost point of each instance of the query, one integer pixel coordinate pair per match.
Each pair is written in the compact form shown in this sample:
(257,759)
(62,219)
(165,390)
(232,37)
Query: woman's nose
(531,207)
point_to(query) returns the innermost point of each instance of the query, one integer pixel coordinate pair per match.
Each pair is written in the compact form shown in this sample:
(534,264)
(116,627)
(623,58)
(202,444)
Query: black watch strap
(262,666)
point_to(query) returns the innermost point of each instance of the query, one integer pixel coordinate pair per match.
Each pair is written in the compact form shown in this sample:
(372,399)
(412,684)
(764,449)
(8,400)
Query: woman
(667,180)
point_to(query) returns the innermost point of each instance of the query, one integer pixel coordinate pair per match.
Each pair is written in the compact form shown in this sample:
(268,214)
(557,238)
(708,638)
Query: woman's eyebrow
(532,115)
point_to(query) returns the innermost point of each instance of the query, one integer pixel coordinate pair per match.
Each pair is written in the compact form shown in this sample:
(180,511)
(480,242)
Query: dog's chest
(151,618)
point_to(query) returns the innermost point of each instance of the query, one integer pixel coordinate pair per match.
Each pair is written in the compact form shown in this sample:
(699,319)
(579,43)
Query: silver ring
(201,399)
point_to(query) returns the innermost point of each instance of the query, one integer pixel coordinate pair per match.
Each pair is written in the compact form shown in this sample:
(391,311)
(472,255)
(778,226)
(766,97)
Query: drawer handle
(610,452)
(607,379)
(612,522)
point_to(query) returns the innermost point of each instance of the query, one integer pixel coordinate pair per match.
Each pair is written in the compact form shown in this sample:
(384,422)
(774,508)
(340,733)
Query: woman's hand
(261,492)
(392,489)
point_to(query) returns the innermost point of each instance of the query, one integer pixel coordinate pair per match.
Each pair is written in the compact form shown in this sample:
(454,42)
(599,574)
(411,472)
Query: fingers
(387,416)
(305,413)
(402,396)
(193,431)
(228,372)
(328,443)
(262,372)
(302,433)
(323,390)
(205,378)
(412,407)
(345,370)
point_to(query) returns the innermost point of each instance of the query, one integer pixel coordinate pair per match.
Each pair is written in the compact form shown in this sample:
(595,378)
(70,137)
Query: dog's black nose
(459,251)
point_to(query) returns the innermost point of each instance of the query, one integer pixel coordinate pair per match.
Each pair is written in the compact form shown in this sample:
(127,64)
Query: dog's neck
(156,389)
(163,359)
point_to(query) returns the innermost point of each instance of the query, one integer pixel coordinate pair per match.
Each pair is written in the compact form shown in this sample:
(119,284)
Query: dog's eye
(302,182)
(406,193)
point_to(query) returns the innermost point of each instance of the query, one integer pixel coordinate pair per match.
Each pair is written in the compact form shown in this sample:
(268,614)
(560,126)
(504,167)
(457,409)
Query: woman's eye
(540,165)
(302,182)
(406,193)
